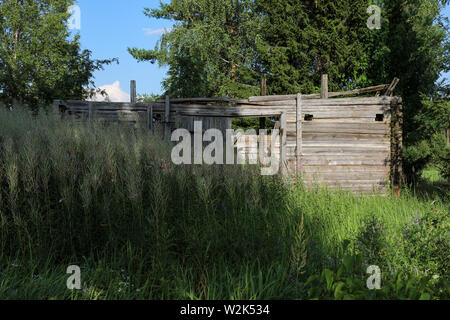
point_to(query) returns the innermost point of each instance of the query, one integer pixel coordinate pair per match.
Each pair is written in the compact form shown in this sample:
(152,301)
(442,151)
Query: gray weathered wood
(299,134)
(317,96)
(133,91)
(166,119)
(283,144)
(150,118)
(391,88)
(91,111)
(324,87)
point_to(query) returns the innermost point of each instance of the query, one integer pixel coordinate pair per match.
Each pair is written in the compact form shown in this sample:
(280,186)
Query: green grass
(108,199)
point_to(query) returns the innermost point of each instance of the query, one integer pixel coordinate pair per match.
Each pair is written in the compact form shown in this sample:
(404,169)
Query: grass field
(108,199)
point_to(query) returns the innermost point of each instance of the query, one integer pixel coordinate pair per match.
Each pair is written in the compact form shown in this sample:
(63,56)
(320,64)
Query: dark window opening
(309,117)
(379,118)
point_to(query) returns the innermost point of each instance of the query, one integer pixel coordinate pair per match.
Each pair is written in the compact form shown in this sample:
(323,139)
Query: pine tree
(308,38)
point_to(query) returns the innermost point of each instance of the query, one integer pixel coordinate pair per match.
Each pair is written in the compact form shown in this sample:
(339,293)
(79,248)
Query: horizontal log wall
(346,142)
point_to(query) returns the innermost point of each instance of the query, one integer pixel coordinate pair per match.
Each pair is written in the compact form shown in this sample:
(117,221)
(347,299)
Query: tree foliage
(211,49)
(39,59)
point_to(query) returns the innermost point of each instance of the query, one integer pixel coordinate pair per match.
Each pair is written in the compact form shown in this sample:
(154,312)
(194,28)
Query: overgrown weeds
(108,198)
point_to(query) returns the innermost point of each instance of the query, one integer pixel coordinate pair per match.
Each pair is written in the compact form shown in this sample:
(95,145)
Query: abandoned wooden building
(351,143)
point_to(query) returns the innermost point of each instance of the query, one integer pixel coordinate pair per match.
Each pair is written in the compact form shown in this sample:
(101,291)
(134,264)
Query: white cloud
(156,32)
(115,93)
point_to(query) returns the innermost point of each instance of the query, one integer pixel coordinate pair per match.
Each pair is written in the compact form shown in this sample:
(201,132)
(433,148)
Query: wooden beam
(324,93)
(133,91)
(200,100)
(318,96)
(390,90)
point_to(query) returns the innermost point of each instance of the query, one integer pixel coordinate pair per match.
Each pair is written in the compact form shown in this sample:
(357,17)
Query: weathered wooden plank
(150,118)
(353,183)
(382,145)
(220,111)
(387,120)
(347,150)
(283,145)
(349,169)
(299,134)
(133,96)
(316,96)
(331,127)
(346,137)
(345,176)
(391,88)
(345,114)
(347,160)
(359,189)
(312,99)
(397,176)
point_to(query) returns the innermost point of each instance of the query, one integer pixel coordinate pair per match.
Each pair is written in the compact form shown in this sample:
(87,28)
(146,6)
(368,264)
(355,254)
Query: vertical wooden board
(167,118)
(324,92)
(283,145)
(91,111)
(150,117)
(397,176)
(299,142)
(133,91)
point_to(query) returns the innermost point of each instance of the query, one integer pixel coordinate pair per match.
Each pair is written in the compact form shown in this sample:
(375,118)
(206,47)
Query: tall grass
(108,198)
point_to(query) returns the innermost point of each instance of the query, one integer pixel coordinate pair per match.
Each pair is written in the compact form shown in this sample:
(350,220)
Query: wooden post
(283,143)
(397,176)
(166,119)
(91,111)
(324,93)
(262,121)
(150,117)
(133,91)
(299,134)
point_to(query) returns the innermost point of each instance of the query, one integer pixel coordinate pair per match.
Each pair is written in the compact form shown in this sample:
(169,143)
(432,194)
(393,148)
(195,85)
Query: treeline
(224,48)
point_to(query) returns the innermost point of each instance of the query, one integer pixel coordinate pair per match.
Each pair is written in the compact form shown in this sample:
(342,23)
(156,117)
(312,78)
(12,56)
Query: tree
(211,50)
(413,45)
(39,62)
(305,39)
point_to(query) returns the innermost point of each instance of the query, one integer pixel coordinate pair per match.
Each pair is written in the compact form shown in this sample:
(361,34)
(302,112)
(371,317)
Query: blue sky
(109,27)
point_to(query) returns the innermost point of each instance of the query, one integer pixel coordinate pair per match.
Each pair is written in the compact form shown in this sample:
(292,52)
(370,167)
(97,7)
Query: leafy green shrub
(349,282)
(434,151)
(426,243)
